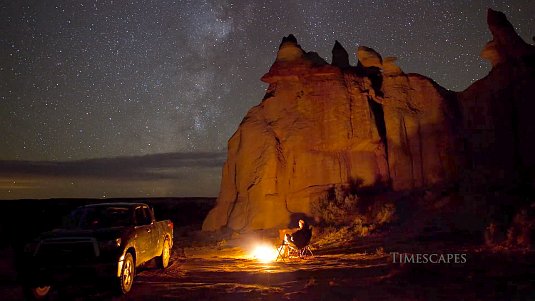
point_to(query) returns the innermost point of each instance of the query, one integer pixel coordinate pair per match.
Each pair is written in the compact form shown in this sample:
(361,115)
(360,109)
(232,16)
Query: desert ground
(221,266)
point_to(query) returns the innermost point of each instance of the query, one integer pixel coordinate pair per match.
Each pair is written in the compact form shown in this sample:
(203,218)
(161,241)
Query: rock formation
(340,56)
(506,45)
(498,129)
(323,124)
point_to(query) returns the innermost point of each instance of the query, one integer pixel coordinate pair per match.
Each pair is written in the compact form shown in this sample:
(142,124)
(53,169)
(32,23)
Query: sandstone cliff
(323,124)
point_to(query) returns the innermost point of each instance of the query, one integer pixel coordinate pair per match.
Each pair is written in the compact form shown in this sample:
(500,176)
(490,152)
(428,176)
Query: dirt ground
(204,269)
(220,266)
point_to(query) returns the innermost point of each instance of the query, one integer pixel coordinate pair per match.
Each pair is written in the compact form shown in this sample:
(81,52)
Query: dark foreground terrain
(219,266)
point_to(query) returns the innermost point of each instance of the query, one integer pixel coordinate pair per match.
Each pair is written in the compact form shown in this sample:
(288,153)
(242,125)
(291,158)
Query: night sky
(138,98)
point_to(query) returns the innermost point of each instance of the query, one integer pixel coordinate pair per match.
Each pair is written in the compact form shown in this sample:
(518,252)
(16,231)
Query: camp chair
(289,250)
(303,253)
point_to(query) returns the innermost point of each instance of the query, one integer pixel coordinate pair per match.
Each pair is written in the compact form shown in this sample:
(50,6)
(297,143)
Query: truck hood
(98,234)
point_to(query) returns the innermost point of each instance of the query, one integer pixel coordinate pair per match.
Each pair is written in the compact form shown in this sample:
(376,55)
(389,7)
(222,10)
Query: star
(108,79)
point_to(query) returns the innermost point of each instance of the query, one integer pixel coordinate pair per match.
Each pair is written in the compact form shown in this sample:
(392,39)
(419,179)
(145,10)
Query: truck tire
(163,260)
(127,274)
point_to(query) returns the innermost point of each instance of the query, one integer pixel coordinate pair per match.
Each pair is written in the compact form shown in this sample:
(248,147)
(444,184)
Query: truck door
(155,234)
(144,234)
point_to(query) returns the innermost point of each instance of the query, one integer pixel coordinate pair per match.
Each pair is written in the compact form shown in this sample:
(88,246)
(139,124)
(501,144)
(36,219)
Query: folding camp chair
(289,250)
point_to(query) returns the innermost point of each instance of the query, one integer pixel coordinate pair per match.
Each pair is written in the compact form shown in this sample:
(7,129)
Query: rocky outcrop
(506,45)
(321,125)
(369,57)
(340,56)
(497,122)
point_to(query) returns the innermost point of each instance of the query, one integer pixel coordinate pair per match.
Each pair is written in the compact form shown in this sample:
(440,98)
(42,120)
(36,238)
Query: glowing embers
(265,253)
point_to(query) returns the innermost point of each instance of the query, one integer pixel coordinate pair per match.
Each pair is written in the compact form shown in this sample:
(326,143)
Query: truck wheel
(127,274)
(163,260)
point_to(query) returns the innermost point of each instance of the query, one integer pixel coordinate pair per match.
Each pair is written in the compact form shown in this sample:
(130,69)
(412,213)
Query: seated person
(300,238)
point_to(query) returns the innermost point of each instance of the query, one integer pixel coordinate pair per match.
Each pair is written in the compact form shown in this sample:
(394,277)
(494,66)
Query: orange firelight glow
(265,253)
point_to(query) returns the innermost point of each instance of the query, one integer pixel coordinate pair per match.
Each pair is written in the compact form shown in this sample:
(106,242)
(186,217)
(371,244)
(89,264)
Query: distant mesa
(321,125)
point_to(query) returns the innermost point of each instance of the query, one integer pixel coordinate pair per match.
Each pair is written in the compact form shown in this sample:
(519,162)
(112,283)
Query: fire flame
(265,253)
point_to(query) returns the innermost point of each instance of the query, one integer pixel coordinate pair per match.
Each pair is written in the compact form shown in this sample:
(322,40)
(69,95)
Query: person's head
(301,223)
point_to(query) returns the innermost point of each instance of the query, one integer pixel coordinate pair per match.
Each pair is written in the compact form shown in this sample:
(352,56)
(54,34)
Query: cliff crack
(347,85)
(379,119)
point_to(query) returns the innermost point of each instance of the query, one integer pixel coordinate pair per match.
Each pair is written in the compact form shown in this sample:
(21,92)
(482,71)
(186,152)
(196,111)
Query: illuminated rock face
(322,124)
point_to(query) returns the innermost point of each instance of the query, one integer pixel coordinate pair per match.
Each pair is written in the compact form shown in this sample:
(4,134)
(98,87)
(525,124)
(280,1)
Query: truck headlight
(110,244)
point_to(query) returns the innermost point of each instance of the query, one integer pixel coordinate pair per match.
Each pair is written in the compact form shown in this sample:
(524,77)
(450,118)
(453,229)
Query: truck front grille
(72,249)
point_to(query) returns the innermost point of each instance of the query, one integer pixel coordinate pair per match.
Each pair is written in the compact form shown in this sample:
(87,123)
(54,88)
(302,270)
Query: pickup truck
(107,240)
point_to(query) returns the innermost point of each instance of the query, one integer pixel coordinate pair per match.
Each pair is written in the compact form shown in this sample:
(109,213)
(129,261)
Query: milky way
(85,80)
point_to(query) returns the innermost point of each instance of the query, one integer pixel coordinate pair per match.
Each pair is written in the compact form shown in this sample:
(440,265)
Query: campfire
(265,253)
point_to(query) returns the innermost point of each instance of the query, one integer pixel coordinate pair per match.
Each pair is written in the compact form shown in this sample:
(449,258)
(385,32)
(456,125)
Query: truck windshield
(98,217)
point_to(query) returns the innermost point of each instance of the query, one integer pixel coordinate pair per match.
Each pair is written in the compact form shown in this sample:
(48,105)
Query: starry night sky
(138,98)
